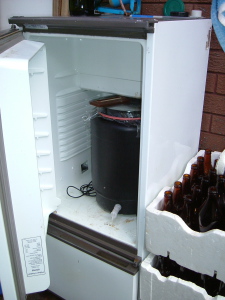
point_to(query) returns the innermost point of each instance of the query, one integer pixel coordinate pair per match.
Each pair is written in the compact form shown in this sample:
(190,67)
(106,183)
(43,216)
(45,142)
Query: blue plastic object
(135,7)
(0,289)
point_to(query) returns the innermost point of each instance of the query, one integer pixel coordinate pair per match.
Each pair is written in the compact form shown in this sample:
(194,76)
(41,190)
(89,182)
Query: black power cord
(85,189)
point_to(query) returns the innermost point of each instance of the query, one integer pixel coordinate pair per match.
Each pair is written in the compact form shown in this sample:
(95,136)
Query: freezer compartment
(167,233)
(102,64)
(87,265)
(155,286)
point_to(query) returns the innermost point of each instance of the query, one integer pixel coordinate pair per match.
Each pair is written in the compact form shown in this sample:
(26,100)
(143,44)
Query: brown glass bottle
(197,197)
(215,162)
(167,201)
(208,216)
(212,177)
(177,197)
(204,187)
(207,162)
(200,164)
(220,185)
(166,266)
(186,184)
(190,214)
(194,174)
(212,285)
(221,200)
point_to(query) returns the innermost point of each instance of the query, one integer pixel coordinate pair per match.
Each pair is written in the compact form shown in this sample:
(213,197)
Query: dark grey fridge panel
(113,26)
(111,251)
(9,38)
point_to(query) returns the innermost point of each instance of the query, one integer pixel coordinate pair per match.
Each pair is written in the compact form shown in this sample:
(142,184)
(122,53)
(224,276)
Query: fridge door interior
(28,167)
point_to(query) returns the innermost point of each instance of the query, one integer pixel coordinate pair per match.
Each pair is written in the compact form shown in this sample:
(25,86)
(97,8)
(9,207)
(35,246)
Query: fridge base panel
(76,275)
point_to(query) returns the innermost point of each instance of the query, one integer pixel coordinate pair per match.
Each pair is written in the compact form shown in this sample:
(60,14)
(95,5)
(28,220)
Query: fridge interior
(81,69)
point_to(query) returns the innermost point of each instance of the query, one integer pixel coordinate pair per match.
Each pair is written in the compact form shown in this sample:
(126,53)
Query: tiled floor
(41,296)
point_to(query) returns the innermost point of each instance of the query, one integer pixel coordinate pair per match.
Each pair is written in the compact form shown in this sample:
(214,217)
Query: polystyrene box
(153,286)
(166,233)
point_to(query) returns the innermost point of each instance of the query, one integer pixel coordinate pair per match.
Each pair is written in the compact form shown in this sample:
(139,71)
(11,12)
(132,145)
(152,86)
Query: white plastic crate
(166,233)
(154,286)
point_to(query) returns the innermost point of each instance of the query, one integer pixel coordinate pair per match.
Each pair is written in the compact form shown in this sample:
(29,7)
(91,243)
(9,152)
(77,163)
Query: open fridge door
(27,194)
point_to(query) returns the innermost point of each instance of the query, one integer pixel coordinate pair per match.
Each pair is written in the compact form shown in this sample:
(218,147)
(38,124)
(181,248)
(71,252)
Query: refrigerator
(50,70)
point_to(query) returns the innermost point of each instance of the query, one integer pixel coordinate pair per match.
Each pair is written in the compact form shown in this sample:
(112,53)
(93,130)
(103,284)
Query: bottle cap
(196,13)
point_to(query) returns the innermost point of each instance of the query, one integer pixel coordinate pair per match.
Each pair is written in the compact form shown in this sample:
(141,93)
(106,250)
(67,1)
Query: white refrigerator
(50,69)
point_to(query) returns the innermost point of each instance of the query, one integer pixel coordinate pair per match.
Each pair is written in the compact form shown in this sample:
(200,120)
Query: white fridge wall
(9,8)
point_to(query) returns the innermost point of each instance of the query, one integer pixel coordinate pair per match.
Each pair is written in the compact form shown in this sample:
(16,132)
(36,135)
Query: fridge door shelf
(156,286)
(168,234)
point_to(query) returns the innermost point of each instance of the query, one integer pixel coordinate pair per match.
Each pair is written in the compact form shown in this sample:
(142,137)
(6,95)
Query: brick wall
(213,119)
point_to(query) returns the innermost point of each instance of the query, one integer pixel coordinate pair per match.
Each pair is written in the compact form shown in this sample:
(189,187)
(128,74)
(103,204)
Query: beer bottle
(194,174)
(186,184)
(215,162)
(208,215)
(166,266)
(207,162)
(212,285)
(162,264)
(204,187)
(200,164)
(185,274)
(167,201)
(222,289)
(221,200)
(187,210)
(177,197)
(197,197)
(212,177)
(220,185)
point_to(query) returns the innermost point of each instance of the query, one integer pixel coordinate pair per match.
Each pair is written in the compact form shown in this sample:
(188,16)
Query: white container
(167,233)
(156,286)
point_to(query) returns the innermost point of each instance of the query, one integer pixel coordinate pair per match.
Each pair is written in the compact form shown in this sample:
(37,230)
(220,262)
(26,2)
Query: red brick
(218,125)
(221,84)
(214,41)
(206,122)
(211,81)
(189,7)
(154,2)
(216,61)
(198,2)
(205,8)
(152,9)
(212,141)
(214,104)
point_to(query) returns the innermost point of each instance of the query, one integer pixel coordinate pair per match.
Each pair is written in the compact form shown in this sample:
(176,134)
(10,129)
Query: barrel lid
(123,108)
